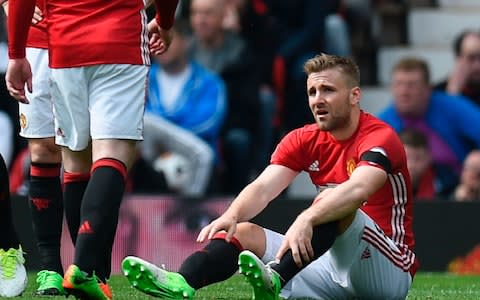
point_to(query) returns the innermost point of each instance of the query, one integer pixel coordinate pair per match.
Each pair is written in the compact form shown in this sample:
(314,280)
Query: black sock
(216,262)
(46,209)
(74,186)
(9,235)
(322,239)
(99,217)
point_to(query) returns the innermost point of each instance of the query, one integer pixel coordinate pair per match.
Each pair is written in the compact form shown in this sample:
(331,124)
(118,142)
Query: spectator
(428,179)
(465,76)
(469,186)
(185,109)
(445,119)
(268,28)
(228,55)
(299,30)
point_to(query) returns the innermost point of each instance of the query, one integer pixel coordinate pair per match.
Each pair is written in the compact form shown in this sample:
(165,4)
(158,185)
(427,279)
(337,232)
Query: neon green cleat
(83,287)
(264,281)
(155,281)
(49,284)
(13,276)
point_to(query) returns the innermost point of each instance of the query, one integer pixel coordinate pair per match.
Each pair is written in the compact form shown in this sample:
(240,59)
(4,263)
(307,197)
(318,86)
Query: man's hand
(37,14)
(299,239)
(459,76)
(224,222)
(19,74)
(160,39)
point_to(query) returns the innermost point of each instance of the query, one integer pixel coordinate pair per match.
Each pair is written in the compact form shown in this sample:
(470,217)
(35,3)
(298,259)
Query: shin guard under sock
(9,235)
(46,209)
(216,262)
(322,239)
(99,216)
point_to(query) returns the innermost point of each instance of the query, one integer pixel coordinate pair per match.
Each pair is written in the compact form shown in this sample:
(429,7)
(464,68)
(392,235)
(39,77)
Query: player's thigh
(37,117)
(316,281)
(117,101)
(69,88)
(379,270)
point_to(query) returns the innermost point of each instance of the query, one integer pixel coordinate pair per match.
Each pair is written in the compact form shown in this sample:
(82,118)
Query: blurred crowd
(232,84)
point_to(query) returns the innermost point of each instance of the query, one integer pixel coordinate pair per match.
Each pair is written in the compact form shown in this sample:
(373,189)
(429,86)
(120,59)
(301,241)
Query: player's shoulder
(307,132)
(371,124)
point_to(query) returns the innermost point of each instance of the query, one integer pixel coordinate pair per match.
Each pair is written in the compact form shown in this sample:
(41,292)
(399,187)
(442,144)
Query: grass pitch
(426,286)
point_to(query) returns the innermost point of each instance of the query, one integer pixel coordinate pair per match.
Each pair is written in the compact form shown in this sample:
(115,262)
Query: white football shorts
(37,117)
(352,269)
(98,102)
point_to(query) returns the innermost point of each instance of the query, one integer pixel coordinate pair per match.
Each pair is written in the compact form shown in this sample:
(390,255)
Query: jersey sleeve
(165,13)
(20,13)
(288,152)
(382,150)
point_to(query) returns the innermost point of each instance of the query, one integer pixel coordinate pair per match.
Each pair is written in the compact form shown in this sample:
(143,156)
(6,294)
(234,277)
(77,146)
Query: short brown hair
(413,64)
(413,138)
(324,61)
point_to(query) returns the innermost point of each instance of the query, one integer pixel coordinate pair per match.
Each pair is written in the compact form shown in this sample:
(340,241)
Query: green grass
(426,286)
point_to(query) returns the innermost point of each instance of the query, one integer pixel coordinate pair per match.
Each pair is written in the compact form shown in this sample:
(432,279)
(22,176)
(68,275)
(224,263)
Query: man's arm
(165,13)
(251,201)
(337,203)
(20,13)
(345,198)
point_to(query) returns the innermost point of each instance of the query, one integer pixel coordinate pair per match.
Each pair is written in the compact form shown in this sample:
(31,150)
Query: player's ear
(355,95)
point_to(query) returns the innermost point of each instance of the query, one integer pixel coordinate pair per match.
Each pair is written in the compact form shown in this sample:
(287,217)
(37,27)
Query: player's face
(331,99)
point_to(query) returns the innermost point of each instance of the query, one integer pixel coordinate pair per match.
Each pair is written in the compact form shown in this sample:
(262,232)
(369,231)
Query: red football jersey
(37,34)
(330,162)
(90,32)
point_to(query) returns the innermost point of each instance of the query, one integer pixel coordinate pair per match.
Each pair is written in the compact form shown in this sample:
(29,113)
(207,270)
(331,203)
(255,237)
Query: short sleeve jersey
(330,162)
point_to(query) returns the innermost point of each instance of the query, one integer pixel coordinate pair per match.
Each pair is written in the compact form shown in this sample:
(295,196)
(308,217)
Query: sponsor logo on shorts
(60,132)
(366,254)
(23,121)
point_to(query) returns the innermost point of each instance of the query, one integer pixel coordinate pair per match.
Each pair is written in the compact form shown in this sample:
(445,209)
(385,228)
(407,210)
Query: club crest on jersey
(23,121)
(351,165)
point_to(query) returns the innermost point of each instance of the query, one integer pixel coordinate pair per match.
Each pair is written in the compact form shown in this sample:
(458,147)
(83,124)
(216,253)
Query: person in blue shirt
(449,122)
(184,114)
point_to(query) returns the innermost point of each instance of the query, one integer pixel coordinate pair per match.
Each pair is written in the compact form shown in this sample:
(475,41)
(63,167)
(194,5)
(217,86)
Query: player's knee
(44,151)
(251,236)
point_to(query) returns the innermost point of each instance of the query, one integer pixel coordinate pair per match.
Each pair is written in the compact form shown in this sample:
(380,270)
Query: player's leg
(380,269)
(70,90)
(276,275)
(216,262)
(45,194)
(13,276)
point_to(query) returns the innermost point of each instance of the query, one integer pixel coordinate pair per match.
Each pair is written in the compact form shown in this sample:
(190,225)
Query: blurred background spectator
(227,54)
(464,79)
(469,187)
(445,119)
(185,110)
(429,180)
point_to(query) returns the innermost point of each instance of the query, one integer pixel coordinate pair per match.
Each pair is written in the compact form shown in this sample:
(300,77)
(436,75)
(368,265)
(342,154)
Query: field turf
(426,286)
